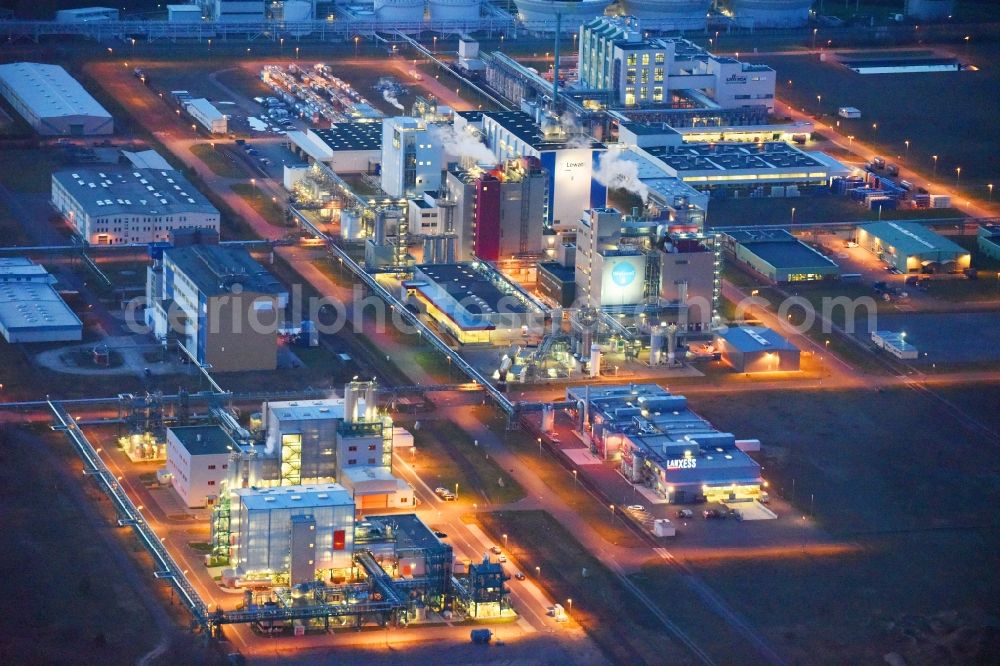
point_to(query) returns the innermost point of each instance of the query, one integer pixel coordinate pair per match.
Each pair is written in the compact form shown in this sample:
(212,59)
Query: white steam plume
(615,173)
(576,135)
(389,97)
(460,144)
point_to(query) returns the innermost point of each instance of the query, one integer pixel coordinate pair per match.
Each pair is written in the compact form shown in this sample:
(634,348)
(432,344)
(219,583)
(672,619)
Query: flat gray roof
(113,191)
(733,156)
(49,90)
(215,269)
(204,440)
(911,238)
(351,136)
(28,306)
(294,497)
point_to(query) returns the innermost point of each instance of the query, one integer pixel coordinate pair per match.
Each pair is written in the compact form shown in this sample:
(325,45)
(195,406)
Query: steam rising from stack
(391,98)
(615,173)
(462,145)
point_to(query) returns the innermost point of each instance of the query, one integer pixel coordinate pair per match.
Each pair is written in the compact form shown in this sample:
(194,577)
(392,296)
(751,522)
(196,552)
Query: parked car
(496,550)
(636,507)
(712,514)
(440,535)
(501,558)
(685,513)
(519,576)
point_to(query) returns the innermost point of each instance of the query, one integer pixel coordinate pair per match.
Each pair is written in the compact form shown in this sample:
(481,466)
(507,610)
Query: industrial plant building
(235,11)
(411,157)
(198,463)
(634,264)
(663,447)
(756,349)
(913,248)
(219,304)
(119,207)
(344,147)
(768,13)
(567,160)
(779,256)
(52,101)
(616,55)
(473,302)
(498,213)
(31,310)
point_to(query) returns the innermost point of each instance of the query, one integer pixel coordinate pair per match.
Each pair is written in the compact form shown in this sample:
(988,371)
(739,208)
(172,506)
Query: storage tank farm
(770,13)
(450,10)
(399,10)
(540,15)
(669,14)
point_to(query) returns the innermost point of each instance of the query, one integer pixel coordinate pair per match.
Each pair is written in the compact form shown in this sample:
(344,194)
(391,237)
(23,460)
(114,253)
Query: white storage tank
(399,10)
(770,13)
(540,15)
(669,14)
(450,10)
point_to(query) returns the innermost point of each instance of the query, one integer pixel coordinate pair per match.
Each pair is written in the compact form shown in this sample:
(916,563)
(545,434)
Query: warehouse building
(52,101)
(207,115)
(756,349)
(473,302)
(220,305)
(344,147)
(121,207)
(198,463)
(667,451)
(779,256)
(911,247)
(30,308)
(988,240)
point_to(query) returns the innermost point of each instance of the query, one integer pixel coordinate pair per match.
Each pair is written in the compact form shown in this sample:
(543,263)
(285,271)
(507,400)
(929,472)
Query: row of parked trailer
(316,94)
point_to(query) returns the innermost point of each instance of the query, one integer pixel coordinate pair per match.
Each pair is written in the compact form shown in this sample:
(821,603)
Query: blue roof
(755,338)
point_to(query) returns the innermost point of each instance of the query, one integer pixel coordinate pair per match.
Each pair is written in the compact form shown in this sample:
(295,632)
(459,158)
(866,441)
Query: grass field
(217,161)
(939,113)
(272,211)
(447,456)
(897,474)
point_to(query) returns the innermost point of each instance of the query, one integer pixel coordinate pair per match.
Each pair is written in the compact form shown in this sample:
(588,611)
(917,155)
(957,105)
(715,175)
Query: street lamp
(815,30)
(456,491)
(958,175)
(569,602)
(935,165)
(850,141)
(281,41)
(574,478)
(907,144)
(539,446)
(793,215)
(253,181)
(874,132)
(819,101)
(538,572)
(504,537)
(990,188)
(435,44)
(356,38)
(296,53)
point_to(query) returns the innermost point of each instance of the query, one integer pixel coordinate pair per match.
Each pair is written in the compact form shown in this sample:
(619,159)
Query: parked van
(906,185)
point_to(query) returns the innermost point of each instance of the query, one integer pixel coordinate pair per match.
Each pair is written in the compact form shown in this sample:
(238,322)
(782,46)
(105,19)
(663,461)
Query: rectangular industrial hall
(911,247)
(52,101)
(779,256)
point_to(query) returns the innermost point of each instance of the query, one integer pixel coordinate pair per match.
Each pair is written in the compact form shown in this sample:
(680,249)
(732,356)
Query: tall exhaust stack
(555,64)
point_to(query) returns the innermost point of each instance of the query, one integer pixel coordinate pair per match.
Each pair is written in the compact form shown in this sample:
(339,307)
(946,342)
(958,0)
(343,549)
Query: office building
(120,207)
(52,101)
(219,304)
(616,55)
(198,463)
(411,157)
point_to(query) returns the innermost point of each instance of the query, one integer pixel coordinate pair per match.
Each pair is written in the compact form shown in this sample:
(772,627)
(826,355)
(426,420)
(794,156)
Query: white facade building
(207,115)
(114,206)
(306,531)
(87,15)
(411,157)
(607,274)
(236,11)
(30,308)
(615,55)
(52,101)
(198,463)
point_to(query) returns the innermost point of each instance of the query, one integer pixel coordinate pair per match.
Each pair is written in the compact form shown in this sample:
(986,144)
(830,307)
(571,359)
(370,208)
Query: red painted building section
(486,239)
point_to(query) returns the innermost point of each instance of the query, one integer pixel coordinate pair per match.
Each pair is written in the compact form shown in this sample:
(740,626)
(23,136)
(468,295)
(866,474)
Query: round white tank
(540,15)
(770,13)
(399,10)
(669,14)
(450,10)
